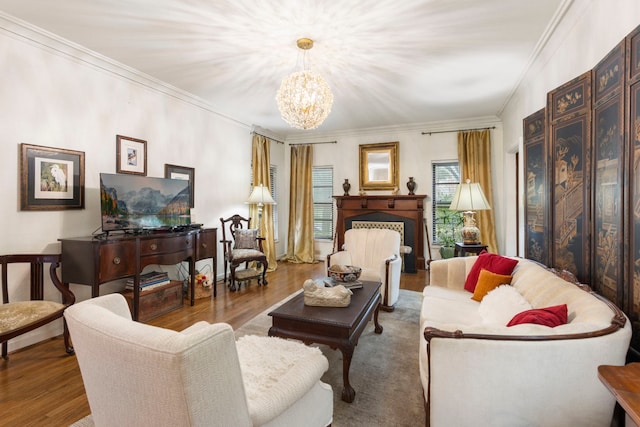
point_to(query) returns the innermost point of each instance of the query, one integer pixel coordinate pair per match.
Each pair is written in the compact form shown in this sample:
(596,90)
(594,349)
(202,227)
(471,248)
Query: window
(446,223)
(273,175)
(322,179)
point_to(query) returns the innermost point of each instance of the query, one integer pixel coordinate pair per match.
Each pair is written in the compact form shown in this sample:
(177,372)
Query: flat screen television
(136,203)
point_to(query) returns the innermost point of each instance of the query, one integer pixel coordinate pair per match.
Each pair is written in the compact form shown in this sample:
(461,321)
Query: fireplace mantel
(408,209)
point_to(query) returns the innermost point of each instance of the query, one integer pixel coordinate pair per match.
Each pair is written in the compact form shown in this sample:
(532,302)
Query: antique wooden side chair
(21,315)
(242,245)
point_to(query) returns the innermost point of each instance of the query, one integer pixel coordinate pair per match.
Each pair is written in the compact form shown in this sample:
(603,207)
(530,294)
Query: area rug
(384,369)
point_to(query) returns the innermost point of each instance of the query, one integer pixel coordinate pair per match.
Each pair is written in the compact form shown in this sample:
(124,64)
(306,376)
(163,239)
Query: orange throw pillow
(494,263)
(488,281)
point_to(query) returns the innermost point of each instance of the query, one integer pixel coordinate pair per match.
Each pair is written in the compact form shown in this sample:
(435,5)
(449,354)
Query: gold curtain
(474,156)
(260,162)
(300,239)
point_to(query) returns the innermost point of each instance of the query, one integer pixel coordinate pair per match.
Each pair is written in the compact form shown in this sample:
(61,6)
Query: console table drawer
(115,260)
(165,245)
(206,242)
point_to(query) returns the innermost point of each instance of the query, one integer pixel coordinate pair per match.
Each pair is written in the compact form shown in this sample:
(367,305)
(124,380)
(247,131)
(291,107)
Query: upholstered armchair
(377,252)
(138,374)
(34,305)
(242,245)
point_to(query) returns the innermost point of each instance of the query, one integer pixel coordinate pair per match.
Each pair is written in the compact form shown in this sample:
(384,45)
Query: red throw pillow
(492,262)
(549,316)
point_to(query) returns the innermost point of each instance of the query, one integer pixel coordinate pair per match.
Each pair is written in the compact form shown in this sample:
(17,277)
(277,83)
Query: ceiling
(388,62)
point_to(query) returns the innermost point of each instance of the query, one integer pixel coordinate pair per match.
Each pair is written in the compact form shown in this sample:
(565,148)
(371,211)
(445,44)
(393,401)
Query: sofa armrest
(502,377)
(450,273)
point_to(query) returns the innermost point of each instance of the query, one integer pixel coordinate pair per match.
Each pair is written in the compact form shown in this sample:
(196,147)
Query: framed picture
(379,166)
(51,178)
(182,172)
(131,155)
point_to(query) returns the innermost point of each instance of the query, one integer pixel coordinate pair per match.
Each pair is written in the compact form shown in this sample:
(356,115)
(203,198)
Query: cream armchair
(377,252)
(137,374)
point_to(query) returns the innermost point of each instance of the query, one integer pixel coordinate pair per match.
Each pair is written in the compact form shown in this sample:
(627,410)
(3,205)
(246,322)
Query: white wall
(79,101)
(417,152)
(588,31)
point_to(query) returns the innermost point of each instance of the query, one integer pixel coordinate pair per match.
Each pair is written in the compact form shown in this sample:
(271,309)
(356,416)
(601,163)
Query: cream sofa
(478,373)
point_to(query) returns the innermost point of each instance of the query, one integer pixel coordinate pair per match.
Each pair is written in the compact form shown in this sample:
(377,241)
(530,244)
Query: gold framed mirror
(379,166)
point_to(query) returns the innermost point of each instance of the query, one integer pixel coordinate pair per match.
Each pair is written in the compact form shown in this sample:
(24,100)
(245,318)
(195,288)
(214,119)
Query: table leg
(348,393)
(378,328)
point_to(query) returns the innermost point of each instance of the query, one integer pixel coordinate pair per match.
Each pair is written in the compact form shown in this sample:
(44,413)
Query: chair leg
(67,339)
(232,278)
(4,351)
(264,274)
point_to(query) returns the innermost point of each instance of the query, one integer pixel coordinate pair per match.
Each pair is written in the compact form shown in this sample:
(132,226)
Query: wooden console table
(93,261)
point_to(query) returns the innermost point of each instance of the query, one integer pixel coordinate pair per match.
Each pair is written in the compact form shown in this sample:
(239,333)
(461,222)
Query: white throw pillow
(501,304)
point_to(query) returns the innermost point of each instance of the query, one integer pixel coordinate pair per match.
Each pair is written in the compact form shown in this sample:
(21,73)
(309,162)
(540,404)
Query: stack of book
(149,280)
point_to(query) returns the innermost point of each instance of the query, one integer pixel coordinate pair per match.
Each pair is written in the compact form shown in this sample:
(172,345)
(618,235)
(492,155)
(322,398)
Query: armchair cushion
(17,315)
(246,239)
(271,391)
(239,256)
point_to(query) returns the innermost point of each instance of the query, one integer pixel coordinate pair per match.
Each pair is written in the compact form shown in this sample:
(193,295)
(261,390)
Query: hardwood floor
(41,386)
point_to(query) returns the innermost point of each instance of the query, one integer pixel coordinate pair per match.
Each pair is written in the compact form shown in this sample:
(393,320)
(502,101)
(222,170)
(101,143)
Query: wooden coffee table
(337,327)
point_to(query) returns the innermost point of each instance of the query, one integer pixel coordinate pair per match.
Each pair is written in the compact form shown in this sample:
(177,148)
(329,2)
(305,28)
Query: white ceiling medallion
(304,98)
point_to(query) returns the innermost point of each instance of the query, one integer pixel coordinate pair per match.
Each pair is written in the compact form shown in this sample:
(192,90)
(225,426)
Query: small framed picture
(51,178)
(182,172)
(131,155)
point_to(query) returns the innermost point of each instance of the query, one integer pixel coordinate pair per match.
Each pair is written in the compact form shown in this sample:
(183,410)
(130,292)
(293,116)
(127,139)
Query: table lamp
(260,196)
(469,198)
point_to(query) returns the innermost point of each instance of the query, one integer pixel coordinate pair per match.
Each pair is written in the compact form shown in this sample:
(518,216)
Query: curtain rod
(312,143)
(459,130)
(273,139)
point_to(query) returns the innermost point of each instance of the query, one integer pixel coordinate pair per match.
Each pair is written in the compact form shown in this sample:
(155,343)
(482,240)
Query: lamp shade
(260,196)
(469,197)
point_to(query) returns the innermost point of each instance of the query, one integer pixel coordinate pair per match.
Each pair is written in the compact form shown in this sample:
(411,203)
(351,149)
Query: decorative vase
(470,232)
(346,187)
(411,185)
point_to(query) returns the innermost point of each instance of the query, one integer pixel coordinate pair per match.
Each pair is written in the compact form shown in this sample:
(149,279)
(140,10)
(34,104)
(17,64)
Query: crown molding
(549,31)
(35,36)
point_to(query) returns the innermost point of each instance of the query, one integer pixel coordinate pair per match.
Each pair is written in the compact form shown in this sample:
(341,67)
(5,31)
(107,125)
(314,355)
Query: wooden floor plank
(41,386)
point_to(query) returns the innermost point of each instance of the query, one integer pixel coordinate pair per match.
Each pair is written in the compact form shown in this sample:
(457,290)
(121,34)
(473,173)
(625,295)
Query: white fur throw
(293,369)
(500,305)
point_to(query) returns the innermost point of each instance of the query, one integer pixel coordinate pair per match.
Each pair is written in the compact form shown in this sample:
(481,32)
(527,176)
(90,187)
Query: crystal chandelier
(304,98)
